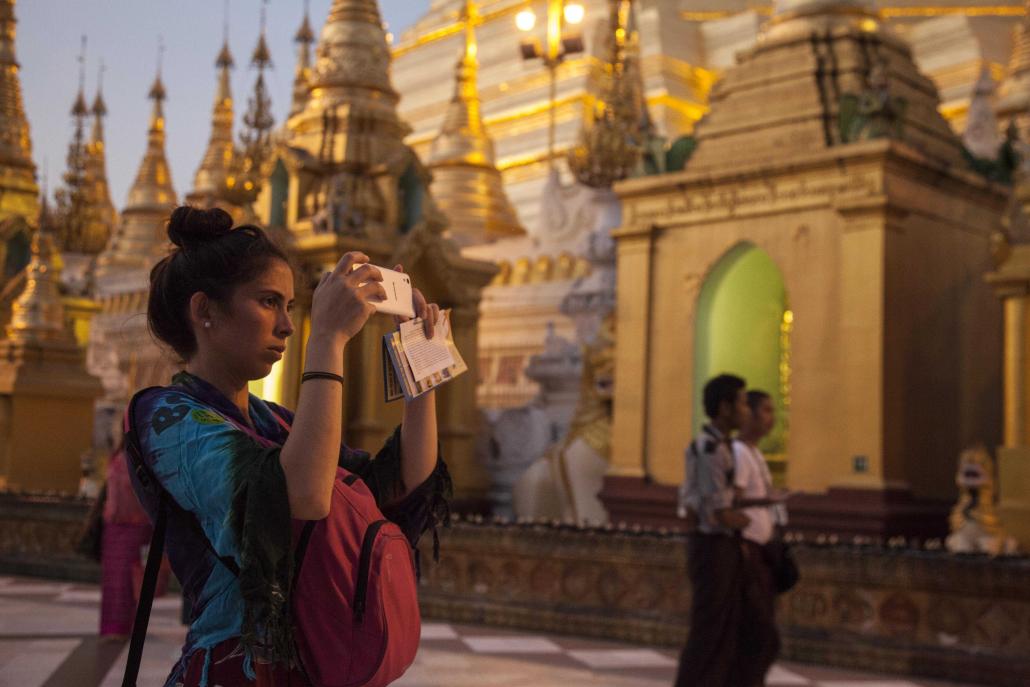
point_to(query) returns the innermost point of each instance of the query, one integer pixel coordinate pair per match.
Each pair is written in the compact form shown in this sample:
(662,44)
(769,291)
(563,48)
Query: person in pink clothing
(127,530)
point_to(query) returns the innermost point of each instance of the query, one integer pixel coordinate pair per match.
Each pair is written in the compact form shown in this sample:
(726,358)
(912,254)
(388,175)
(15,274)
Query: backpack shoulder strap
(157,544)
(149,482)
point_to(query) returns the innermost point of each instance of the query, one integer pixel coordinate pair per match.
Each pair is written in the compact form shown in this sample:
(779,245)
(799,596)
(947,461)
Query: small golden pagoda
(825,242)
(99,191)
(43,376)
(140,239)
(304,39)
(466,182)
(212,177)
(84,214)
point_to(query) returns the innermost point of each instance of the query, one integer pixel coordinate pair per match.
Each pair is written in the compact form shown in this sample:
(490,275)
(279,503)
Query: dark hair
(755,398)
(719,390)
(210,256)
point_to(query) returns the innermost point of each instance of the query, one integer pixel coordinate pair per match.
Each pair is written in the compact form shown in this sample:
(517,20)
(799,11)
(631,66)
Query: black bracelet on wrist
(321,375)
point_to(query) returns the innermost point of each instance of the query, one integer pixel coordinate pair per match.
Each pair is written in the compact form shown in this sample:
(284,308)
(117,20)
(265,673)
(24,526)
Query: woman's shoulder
(159,409)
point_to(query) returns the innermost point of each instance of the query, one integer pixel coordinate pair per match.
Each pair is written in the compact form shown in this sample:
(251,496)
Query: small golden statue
(975,527)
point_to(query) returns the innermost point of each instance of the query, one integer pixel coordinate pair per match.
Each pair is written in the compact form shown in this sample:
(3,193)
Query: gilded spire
(153,184)
(80,109)
(73,200)
(19,194)
(256,137)
(210,181)
(104,216)
(466,182)
(1014,92)
(37,315)
(357,57)
(610,142)
(140,237)
(302,76)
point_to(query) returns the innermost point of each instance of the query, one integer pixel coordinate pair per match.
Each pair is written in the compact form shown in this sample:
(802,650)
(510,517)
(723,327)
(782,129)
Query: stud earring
(207,324)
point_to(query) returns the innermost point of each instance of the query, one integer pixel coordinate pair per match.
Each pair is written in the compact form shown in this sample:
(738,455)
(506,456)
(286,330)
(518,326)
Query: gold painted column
(629,421)
(1011,281)
(1015,305)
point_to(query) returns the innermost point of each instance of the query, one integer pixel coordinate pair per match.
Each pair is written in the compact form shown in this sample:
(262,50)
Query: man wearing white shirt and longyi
(753,484)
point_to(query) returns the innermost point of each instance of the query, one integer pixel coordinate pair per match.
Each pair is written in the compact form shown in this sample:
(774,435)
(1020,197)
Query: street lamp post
(561,41)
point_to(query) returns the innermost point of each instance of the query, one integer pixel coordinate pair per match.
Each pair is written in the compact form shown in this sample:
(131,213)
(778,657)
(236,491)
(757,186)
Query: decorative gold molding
(451,29)
(884,12)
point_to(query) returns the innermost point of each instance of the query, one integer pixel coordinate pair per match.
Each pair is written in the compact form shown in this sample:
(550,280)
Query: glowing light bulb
(574,13)
(525,20)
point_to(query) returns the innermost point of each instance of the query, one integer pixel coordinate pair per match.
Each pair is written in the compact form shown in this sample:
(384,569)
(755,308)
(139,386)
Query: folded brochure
(413,364)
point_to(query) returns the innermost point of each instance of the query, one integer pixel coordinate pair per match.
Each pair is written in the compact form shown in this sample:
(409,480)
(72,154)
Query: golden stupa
(466,182)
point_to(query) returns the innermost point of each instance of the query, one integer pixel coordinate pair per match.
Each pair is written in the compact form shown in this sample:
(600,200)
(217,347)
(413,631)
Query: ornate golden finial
(140,236)
(466,182)
(305,34)
(79,109)
(245,176)
(99,108)
(262,56)
(79,230)
(610,142)
(302,75)
(103,216)
(153,182)
(19,194)
(357,57)
(37,315)
(212,178)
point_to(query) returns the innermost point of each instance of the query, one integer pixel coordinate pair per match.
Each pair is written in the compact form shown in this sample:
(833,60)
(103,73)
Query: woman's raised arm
(340,307)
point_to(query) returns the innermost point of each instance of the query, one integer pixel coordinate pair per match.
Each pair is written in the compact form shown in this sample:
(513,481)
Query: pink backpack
(354,599)
(355,602)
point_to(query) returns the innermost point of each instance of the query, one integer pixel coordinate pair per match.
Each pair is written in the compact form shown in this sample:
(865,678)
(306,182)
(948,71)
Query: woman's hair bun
(191,226)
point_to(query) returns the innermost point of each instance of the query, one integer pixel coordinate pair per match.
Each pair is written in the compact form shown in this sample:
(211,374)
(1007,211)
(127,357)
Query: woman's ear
(200,311)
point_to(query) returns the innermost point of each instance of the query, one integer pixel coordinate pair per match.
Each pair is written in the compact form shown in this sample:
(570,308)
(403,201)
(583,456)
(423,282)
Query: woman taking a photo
(239,469)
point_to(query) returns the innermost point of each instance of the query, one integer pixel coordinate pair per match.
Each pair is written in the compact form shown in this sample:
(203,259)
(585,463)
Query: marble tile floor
(47,639)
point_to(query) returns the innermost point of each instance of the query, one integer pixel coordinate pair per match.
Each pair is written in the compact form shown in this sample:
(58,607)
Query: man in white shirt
(751,472)
(753,485)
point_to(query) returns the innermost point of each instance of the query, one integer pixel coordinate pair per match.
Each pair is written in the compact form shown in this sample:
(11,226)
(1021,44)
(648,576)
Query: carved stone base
(841,511)
(882,513)
(640,501)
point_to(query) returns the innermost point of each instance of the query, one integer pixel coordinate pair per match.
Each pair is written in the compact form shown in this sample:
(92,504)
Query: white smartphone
(398,294)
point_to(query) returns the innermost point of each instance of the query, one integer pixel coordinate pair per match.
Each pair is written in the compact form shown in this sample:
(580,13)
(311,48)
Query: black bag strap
(146,595)
(149,482)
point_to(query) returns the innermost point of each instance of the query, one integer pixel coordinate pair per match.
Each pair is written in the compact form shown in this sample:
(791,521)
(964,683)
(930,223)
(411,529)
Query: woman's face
(249,336)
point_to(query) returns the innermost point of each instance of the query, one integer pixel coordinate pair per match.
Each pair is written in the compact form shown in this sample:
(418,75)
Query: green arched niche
(743,328)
